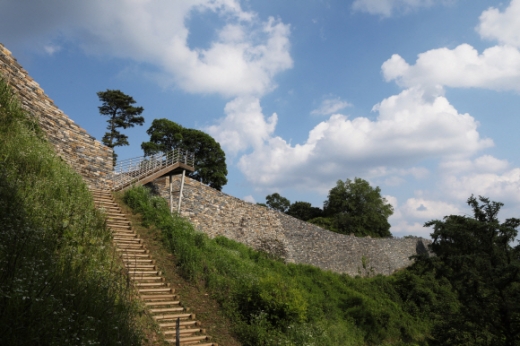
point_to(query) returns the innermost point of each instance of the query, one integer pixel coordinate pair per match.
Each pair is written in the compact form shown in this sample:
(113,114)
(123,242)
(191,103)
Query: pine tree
(122,114)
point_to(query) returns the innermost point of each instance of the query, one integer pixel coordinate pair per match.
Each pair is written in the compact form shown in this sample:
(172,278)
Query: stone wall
(84,153)
(296,241)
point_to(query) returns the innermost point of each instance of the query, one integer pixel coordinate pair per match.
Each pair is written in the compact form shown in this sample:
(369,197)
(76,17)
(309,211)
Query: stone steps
(159,298)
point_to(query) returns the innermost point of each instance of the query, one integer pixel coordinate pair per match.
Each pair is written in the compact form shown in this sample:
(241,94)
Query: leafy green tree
(475,255)
(277,202)
(210,159)
(356,207)
(122,114)
(304,211)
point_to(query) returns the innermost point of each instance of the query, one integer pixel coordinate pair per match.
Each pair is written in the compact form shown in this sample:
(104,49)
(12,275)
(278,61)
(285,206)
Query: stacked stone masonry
(216,213)
(211,211)
(84,153)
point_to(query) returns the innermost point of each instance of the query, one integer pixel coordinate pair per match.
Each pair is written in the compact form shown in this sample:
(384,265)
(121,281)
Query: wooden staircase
(157,295)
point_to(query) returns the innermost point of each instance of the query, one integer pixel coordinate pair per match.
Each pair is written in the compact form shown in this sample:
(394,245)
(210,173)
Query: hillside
(59,282)
(273,303)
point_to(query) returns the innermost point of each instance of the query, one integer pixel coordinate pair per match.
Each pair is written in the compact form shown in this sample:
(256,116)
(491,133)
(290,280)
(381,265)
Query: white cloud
(497,68)
(330,106)
(249,199)
(407,130)
(243,126)
(501,26)
(386,8)
(503,187)
(425,210)
(242,60)
(51,49)
(482,164)
(410,217)
(485,175)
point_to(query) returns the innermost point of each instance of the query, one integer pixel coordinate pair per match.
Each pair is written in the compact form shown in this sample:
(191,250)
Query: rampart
(216,213)
(211,211)
(84,153)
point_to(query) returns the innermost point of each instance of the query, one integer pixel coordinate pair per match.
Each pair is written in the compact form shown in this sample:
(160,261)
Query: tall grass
(272,303)
(59,284)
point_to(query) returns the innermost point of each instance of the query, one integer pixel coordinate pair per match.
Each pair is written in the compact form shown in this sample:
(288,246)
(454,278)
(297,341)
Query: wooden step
(129,246)
(136,251)
(129,240)
(115,215)
(123,232)
(137,272)
(146,278)
(150,291)
(151,284)
(164,310)
(174,317)
(188,340)
(160,297)
(138,261)
(142,267)
(133,256)
(124,236)
(173,302)
(118,228)
(184,332)
(184,323)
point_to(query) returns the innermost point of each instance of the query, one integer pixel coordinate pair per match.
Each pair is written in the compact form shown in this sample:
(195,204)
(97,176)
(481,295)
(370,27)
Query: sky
(418,97)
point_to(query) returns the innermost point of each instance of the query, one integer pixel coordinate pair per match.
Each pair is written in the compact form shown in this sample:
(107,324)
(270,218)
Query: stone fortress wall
(84,153)
(212,211)
(216,213)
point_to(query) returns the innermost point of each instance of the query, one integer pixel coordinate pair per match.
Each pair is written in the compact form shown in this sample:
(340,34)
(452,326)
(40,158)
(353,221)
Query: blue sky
(419,97)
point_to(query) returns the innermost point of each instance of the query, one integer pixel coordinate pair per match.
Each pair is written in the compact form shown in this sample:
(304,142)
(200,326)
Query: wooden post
(180,194)
(178,332)
(171,194)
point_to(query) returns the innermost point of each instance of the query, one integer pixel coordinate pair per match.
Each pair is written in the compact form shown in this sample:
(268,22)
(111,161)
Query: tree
(475,254)
(277,202)
(356,207)
(304,211)
(210,159)
(118,107)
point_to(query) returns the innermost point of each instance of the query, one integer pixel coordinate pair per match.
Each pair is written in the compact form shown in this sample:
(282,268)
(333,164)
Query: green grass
(273,303)
(59,283)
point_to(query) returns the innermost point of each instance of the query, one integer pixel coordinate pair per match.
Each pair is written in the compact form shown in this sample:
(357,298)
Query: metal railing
(133,170)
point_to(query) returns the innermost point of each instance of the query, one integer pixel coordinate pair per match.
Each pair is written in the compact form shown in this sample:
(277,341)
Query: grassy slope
(192,295)
(271,303)
(59,284)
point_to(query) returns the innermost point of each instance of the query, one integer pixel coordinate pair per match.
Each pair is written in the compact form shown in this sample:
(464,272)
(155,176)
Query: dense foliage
(356,207)
(272,303)
(277,202)
(58,282)
(304,211)
(121,114)
(475,255)
(210,159)
(352,206)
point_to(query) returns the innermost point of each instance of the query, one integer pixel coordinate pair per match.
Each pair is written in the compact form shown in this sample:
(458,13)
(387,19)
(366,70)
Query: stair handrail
(135,169)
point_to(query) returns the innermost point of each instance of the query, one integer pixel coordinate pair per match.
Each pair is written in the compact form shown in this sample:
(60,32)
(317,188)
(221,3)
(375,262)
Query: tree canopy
(277,202)
(355,207)
(122,114)
(304,211)
(475,255)
(210,159)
